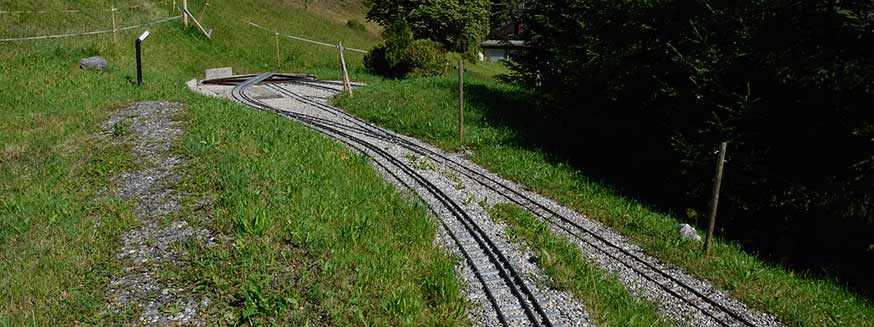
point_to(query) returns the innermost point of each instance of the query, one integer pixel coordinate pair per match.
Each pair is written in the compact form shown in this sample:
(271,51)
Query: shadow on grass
(619,157)
(614,151)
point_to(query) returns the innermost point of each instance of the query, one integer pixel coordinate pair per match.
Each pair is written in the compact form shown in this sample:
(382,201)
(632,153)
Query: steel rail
(448,203)
(562,223)
(456,210)
(501,263)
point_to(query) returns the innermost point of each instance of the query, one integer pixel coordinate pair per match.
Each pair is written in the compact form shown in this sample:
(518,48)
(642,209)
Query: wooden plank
(208,34)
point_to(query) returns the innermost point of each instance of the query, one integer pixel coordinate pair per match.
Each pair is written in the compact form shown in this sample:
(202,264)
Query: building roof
(502,44)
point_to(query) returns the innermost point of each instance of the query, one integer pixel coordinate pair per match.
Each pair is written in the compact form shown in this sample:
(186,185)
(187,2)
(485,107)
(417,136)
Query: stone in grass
(96,63)
(222,72)
(688,232)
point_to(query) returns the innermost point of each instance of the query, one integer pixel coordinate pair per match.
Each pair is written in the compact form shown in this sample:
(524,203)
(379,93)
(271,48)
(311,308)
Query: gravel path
(681,297)
(148,128)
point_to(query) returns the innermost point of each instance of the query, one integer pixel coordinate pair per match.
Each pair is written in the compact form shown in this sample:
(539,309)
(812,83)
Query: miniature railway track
(513,301)
(647,269)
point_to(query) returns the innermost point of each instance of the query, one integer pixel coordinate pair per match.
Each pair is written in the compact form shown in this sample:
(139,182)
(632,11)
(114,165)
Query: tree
(458,24)
(505,11)
(401,56)
(789,83)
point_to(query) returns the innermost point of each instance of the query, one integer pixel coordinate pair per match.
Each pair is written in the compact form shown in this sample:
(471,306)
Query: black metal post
(139,62)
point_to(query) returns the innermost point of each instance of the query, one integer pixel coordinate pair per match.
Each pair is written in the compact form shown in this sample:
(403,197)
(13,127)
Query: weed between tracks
(426,108)
(604,297)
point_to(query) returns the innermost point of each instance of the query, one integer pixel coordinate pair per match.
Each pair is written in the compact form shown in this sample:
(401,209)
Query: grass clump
(426,108)
(605,298)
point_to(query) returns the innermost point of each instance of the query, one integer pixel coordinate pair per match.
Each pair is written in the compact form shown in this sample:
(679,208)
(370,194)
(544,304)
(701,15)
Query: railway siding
(460,192)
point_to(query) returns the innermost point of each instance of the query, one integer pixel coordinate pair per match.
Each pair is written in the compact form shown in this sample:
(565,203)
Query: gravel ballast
(150,131)
(474,190)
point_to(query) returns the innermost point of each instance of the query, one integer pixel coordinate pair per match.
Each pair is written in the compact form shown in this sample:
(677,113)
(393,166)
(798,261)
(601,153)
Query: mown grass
(317,223)
(307,246)
(496,116)
(607,301)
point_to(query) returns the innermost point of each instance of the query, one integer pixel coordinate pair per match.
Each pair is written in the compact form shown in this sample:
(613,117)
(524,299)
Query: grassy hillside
(498,118)
(59,228)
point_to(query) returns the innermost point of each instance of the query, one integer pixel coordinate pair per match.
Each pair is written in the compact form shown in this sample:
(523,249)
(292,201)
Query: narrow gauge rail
(476,244)
(648,270)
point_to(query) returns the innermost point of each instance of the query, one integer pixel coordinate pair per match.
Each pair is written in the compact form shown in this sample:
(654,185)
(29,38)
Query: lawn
(316,235)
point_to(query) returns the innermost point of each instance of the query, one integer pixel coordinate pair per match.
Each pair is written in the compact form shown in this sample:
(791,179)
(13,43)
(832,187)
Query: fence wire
(67,11)
(57,36)
(306,40)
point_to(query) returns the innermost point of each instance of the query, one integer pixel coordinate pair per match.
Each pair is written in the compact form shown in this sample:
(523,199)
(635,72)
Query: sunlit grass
(427,108)
(315,235)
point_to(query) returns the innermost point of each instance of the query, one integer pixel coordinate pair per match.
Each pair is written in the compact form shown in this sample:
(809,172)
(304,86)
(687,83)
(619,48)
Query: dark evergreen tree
(790,83)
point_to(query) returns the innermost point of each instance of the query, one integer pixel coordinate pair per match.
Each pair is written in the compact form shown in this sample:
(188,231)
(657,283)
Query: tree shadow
(614,150)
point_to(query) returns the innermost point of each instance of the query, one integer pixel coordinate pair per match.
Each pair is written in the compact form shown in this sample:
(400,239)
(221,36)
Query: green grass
(314,226)
(317,236)
(426,108)
(607,301)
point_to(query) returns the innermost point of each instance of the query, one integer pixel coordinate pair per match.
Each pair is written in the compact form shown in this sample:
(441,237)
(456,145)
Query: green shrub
(356,25)
(399,56)
(385,59)
(375,61)
(424,58)
(457,24)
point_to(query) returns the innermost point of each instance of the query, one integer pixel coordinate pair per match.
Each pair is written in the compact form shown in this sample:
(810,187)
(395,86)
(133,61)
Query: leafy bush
(400,56)
(425,58)
(385,58)
(356,25)
(788,83)
(458,24)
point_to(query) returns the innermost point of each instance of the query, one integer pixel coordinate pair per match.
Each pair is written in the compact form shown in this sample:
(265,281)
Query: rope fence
(67,11)
(43,37)
(306,40)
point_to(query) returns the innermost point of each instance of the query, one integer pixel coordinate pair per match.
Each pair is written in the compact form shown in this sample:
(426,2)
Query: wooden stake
(714,203)
(200,27)
(346,84)
(278,63)
(185,13)
(114,29)
(461,102)
(203,11)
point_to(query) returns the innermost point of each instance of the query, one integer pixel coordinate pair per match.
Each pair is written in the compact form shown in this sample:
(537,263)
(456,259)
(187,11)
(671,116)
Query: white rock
(222,72)
(688,232)
(97,62)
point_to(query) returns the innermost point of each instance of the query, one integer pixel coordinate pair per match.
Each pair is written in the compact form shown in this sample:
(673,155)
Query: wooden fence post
(278,63)
(114,29)
(461,102)
(346,85)
(185,13)
(203,11)
(714,203)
